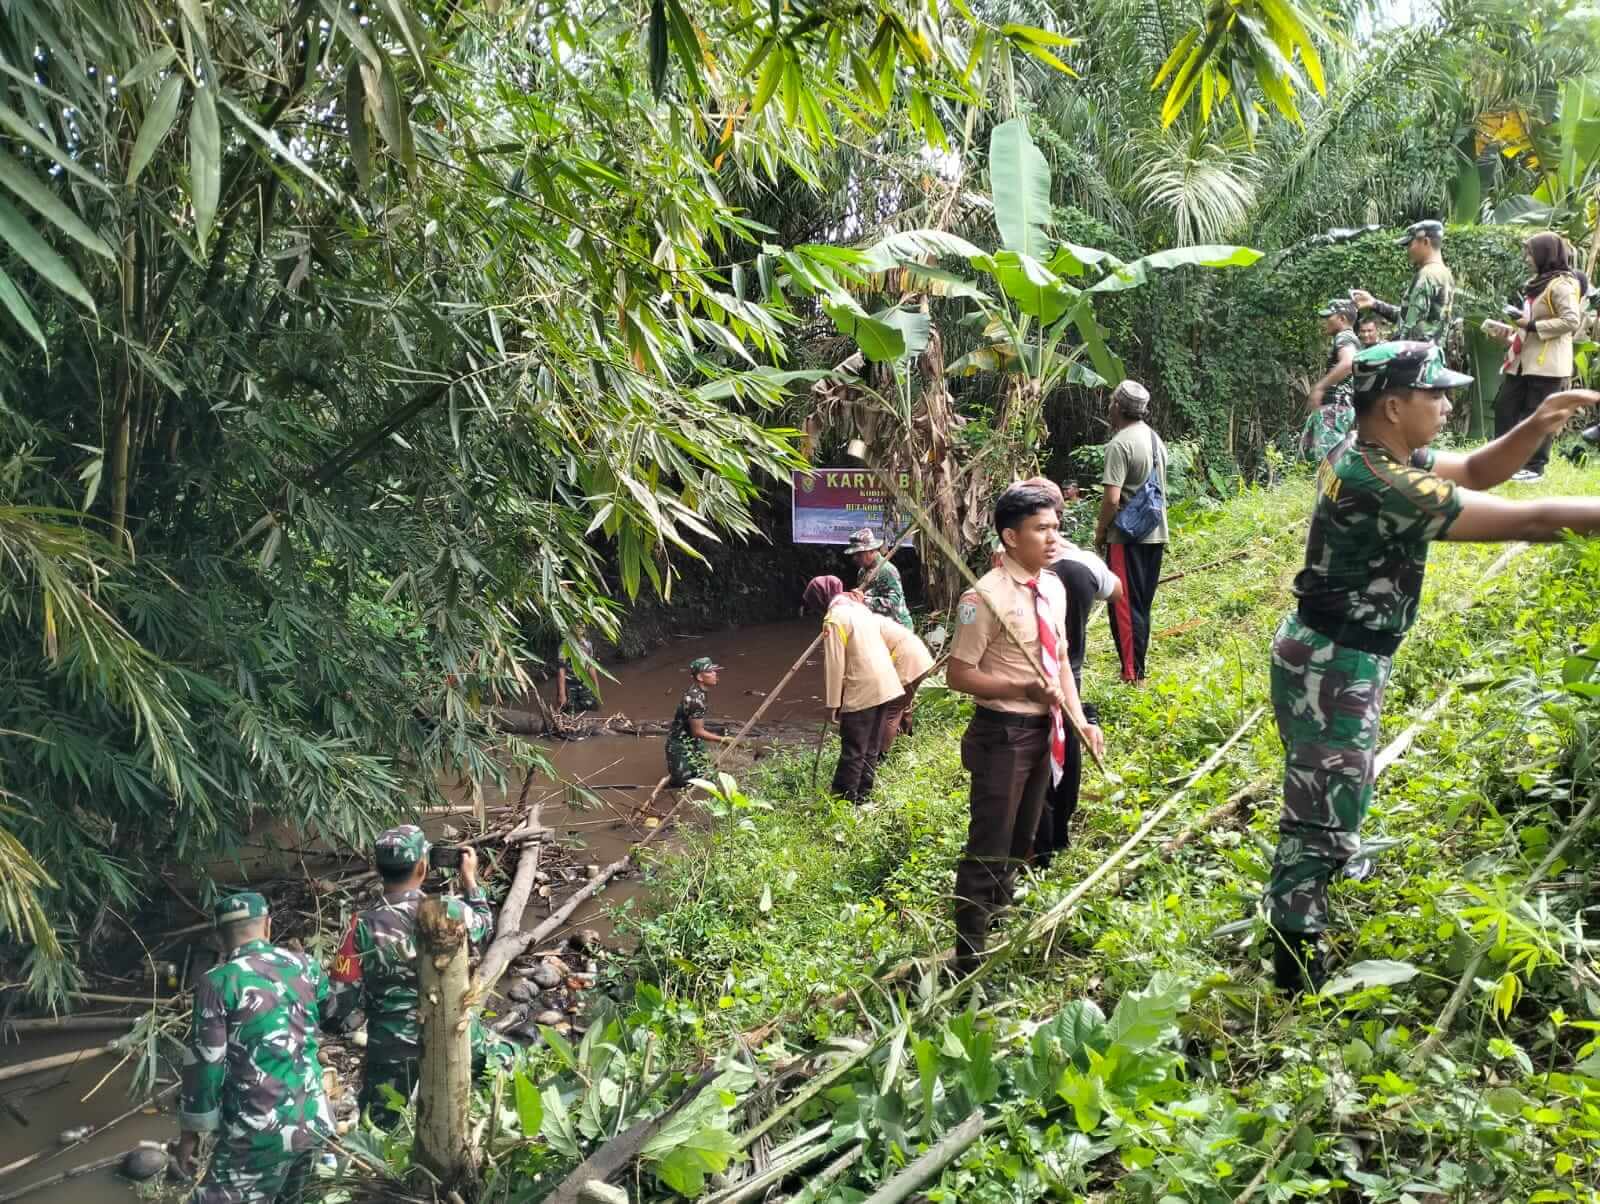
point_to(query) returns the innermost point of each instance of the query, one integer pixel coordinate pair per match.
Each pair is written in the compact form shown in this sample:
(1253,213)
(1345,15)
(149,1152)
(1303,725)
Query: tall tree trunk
(443,1145)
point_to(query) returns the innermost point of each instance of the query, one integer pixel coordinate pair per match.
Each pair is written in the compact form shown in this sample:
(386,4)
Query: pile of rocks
(546,989)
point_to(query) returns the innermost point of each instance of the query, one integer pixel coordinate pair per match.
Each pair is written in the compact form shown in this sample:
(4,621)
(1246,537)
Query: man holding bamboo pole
(1383,496)
(1010,654)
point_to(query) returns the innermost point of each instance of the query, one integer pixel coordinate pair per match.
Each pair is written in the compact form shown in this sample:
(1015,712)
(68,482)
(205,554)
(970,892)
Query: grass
(791,899)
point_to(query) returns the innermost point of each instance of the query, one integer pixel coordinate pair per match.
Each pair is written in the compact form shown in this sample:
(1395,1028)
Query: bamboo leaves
(205,162)
(153,129)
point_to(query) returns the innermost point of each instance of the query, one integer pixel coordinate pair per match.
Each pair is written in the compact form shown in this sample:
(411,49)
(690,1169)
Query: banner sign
(831,504)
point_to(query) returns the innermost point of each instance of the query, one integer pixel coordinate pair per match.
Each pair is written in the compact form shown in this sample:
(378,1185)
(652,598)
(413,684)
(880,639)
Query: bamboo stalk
(1469,975)
(55,1061)
(67,1024)
(87,1168)
(948,1148)
(814,1189)
(768,701)
(508,928)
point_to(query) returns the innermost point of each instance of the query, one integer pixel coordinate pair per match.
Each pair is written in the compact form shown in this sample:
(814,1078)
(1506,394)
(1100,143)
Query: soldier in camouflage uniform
(573,695)
(1426,312)
(686,758)
(880,580)
(1383,498)
(1332,414)
(250,1069)
(375,971)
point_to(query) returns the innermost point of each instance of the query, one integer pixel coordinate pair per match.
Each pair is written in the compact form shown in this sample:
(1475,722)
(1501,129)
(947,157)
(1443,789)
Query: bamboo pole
(948,1148)
(505,946)
(55,1061)
(87,1168)
(66,1024)
(1469,975)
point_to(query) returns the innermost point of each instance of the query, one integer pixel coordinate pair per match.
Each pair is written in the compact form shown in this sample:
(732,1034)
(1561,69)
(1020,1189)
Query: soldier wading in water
(1382,498)
(686,739)
(250,1069)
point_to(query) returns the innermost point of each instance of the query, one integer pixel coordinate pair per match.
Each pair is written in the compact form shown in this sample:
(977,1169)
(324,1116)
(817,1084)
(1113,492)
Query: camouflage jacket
(1344,392)
(1367,548)
(375,970)
(686,758)
(886,595)
(250,1068)
(1428,307)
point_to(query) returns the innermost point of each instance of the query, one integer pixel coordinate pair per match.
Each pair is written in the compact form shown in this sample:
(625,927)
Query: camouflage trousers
(1324,430)
(686,761)
(1328,700)
(240,1173)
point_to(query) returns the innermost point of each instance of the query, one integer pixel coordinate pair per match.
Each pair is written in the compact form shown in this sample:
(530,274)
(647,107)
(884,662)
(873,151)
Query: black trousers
(1061,799)
(1008,758)
(1519,396)
(860,740)
(1138,567)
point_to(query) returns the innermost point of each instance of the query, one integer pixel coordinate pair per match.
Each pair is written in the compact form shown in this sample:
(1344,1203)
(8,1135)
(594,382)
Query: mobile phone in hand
(445,857)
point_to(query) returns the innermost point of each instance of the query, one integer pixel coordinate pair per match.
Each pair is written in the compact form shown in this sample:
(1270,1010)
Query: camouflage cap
(1432,230)
(703,664)
(400,848)
(1342,306)
(1404,365)
(242,905)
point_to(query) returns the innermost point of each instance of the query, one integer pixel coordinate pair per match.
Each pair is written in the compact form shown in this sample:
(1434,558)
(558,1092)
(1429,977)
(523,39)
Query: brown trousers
(1008,758)
(897,718)
(860,737)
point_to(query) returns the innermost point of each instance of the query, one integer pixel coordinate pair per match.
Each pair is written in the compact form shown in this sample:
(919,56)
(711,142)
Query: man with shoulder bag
(1131,532)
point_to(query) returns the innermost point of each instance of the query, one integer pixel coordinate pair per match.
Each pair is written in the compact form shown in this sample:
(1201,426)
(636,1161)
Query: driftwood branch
(87,1168)
(507,943)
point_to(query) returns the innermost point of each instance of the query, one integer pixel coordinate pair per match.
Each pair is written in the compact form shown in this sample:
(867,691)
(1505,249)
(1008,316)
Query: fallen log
(507,943)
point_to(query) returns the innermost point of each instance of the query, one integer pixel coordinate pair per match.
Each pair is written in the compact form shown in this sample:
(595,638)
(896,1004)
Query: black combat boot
(1297,962)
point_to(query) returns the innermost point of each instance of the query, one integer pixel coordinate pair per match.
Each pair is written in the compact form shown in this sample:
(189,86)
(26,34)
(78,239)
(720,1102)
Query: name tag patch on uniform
(967,612)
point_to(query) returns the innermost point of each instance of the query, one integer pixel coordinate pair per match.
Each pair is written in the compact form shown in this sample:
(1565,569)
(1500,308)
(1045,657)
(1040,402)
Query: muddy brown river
(619,770)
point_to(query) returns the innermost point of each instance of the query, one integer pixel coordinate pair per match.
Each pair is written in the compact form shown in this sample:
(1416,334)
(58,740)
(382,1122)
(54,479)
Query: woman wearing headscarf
(1539,358)
(860,680)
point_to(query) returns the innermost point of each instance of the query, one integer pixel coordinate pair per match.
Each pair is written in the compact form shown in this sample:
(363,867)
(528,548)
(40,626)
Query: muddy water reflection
(753,660)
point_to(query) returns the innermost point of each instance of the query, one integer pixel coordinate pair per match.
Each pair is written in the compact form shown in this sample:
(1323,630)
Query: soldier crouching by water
(375,971)
(250,1072)
(686,757)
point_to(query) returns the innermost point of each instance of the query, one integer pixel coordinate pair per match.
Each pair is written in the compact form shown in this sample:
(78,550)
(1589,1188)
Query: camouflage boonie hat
(1404,365)
(862,541)
(1342,306)
(1432,230)
(703,664)
(400,848)
(243,905)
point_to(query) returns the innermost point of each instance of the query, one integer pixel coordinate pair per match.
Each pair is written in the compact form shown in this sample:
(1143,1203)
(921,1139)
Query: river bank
(590,800)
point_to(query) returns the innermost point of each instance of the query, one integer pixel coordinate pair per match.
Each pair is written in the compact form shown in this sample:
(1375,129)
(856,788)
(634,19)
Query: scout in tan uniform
(860,679)
(1016,742)
(912,662)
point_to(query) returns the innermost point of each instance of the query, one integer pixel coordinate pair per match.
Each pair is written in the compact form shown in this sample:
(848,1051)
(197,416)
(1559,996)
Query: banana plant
(1035,300)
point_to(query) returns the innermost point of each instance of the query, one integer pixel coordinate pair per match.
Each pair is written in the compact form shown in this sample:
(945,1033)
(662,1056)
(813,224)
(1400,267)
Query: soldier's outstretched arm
(1485,518)
(1495,461)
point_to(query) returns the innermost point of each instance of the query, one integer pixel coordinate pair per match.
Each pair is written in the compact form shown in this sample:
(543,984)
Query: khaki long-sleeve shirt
(1547,348)
(859,672)
(910,655)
